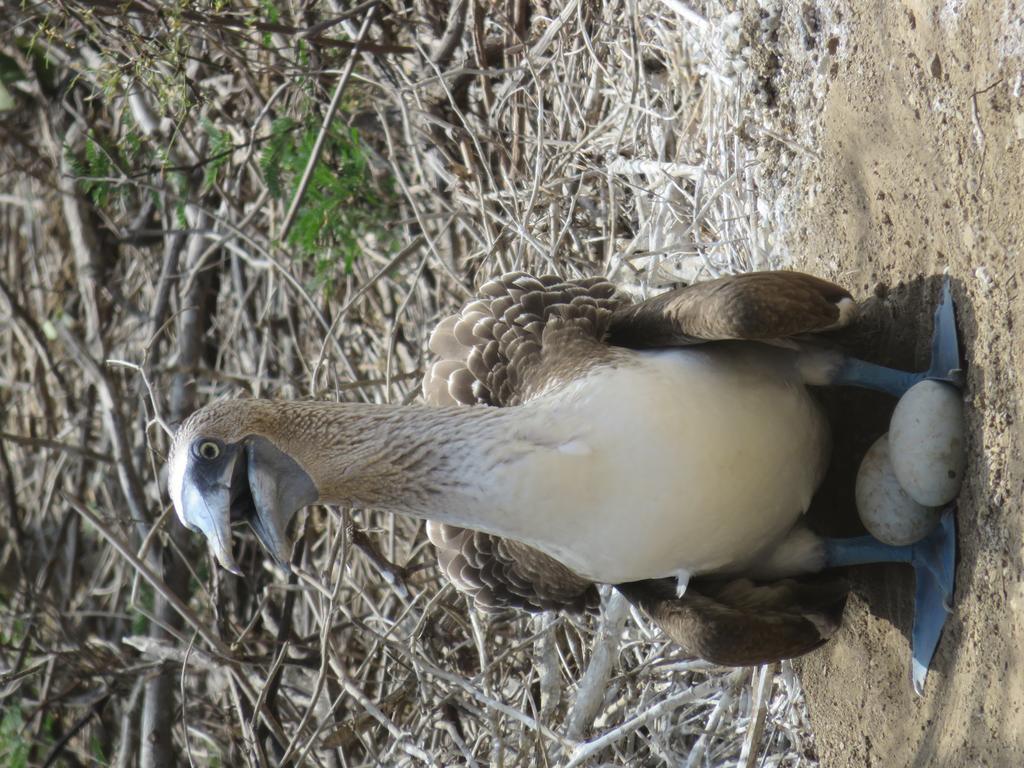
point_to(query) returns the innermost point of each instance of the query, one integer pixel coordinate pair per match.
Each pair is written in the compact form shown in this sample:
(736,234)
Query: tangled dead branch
(189,216)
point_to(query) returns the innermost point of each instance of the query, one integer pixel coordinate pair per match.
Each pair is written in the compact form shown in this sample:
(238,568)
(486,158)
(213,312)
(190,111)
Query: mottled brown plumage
(523,336)
(503,573)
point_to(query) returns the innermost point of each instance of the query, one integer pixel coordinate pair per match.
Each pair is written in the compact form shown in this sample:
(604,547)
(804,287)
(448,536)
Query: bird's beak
(206,495)
(279,488)
(256,482)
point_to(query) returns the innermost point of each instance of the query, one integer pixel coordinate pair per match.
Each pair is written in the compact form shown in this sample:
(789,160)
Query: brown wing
(503,349)
(739,623)
(502,573)
(522,334)
(752,306)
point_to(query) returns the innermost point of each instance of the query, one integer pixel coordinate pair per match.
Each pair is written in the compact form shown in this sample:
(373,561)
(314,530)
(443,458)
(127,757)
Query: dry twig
(149,270)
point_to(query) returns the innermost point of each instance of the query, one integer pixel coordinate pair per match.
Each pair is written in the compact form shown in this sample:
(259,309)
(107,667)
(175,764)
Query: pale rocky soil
(911,117)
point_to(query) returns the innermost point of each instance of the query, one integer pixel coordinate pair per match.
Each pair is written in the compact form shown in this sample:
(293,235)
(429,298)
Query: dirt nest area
(914,167)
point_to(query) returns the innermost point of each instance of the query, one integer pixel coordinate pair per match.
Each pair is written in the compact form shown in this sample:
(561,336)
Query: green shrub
(342,203)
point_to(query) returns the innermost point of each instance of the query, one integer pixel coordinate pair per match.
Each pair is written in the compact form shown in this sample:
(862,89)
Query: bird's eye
(207,449)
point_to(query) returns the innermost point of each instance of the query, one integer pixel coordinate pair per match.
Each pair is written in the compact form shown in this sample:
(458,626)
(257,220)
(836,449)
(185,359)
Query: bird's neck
(428,462)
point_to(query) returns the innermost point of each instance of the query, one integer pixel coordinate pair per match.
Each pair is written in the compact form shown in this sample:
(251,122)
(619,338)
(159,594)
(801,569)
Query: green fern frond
(219,152)
(341,204)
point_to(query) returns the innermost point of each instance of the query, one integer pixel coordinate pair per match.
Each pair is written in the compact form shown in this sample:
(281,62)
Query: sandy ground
(917,168)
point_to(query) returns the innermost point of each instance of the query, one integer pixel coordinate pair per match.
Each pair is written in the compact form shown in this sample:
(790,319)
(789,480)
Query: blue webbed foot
(945,362)
(934,562)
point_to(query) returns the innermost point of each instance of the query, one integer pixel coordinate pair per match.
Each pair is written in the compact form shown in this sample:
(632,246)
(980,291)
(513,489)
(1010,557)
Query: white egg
(888,511)
(926,438)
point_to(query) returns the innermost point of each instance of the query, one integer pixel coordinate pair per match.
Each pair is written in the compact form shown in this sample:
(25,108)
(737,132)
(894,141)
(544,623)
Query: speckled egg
(926,441)
(885,508)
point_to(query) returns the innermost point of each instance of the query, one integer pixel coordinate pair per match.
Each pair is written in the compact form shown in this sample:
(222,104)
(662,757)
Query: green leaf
(14,747)
(92,171)
(219,153)
(10,72)
(7,101)
(96,749)
(342,202)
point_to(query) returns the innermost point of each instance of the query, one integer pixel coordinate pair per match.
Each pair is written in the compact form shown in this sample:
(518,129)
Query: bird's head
(224,467)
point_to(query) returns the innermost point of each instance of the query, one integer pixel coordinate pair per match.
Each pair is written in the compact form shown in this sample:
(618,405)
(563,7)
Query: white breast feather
(685,462)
